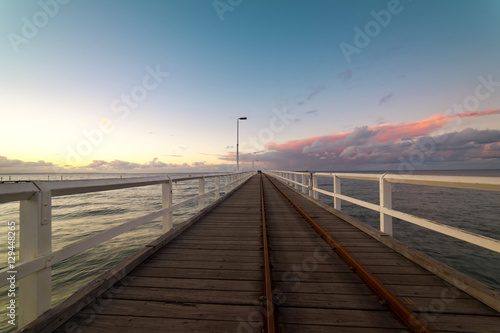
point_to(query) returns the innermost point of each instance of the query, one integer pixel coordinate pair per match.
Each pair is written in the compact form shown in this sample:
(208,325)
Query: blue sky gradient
(157,86)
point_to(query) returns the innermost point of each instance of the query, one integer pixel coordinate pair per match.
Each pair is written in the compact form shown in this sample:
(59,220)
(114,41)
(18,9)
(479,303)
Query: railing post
(217,186)
(315,186)
(166,195)
(337,202)
(386,202)
(201,190)
(35,238)
(310,184)
(304,183)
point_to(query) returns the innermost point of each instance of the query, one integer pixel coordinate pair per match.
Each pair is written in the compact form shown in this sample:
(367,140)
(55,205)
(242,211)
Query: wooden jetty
(208,275)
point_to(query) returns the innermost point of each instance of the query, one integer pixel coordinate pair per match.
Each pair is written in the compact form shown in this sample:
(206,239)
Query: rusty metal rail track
(409,318)
(270,321)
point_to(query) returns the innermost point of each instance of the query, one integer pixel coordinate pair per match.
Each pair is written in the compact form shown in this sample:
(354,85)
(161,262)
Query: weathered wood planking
(444,307)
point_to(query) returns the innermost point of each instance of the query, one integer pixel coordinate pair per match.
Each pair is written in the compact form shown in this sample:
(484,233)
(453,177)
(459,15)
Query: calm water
(78,216)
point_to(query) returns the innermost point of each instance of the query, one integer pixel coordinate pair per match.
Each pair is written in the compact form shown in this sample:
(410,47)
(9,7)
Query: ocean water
(77,216)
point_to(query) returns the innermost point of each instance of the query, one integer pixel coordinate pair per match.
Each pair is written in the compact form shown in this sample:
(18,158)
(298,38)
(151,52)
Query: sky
(326,85)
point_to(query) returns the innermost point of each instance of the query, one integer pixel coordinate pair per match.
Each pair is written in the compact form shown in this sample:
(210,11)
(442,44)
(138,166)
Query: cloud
(388,145)
(311,111)
(18,166)
(385,99)
(471,136)
(472,114)
(97,164)
(314,91)
(155,163)
(171,155)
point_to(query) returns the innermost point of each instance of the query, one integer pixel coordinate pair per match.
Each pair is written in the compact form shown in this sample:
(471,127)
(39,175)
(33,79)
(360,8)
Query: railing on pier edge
(308,184)
(36,256)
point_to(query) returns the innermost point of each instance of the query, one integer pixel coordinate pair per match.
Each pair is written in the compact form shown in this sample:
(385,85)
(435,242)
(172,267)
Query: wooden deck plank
(132,324)
(339,317)
(234,297)
(193,284)
(206,257)
(179,310)
(223,274)
(204,264)
(297,328)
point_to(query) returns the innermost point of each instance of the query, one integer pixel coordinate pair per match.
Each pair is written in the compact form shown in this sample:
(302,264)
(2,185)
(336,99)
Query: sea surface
(77,216)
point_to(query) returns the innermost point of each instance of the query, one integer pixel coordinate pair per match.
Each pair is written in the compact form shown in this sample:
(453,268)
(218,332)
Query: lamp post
(238,142)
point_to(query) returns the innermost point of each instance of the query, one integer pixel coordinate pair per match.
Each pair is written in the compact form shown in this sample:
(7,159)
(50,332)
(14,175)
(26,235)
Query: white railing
(308,183)
(36,256)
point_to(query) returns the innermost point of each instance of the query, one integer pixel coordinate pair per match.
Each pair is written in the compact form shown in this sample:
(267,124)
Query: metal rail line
(409,318)
(270,320)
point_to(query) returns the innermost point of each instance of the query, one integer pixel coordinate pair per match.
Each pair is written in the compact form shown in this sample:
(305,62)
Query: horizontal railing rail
(308,183)
(36,256)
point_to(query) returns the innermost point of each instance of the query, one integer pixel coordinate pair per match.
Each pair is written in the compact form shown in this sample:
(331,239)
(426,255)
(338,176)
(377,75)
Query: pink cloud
(478,113)
(300,144)
(385,132)
(388,145)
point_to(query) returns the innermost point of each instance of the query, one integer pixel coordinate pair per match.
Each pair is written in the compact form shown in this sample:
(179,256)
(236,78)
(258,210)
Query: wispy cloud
(385,99)
(172,155)
(310,95)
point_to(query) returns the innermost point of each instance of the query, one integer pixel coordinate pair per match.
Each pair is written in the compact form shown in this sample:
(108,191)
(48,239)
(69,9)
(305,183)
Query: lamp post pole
(238,142)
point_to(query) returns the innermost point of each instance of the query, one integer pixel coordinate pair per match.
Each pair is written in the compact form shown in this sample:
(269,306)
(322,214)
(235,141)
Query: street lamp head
(242,118)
